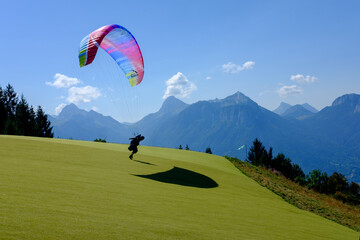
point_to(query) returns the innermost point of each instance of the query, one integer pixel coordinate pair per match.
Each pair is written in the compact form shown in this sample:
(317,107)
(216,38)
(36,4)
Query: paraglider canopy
(120,44)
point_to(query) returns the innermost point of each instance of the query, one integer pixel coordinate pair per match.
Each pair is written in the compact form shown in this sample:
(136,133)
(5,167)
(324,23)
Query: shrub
(208,150)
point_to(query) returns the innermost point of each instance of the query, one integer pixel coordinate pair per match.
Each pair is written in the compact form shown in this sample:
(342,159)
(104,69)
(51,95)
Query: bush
(337,183)
(317,180)
(208,150)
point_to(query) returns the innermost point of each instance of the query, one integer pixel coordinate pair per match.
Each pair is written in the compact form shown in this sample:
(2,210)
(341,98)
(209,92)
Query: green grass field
(66,189)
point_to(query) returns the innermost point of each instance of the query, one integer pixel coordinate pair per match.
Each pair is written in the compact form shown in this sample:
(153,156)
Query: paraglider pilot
(134,143)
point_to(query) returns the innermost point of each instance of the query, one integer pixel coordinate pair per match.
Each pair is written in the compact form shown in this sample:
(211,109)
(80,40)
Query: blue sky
(272,51)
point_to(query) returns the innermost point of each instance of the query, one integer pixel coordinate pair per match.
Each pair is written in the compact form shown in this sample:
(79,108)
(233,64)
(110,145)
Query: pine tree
(19,118)
(283,165)
(257,153)
(24,118)
(42,124)
(267,158)
(3,113)
(354,189)
(353,194)
(208,150)
(10,100)
(298,174)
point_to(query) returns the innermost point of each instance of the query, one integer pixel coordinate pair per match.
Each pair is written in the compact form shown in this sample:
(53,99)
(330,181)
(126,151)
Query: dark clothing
(136,140)
(134,143)
(133,148)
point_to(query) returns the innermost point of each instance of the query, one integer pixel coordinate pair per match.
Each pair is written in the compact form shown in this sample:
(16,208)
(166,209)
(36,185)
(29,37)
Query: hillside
(302,197)
(66,189)
(327,139)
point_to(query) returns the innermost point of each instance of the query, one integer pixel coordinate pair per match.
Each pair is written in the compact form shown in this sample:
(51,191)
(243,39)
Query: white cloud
(83,94)
(63,81)
(208,78)
(59,108)
(264,92)
(301,79)
(234,68)
(179,86)
(287,91)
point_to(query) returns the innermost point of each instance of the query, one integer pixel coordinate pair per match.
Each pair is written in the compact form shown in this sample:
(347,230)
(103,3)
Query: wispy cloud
(63,81)
(287,91)
(234,68)
(265,92)
(59,108)
(179,86)
(208,78)
(301,79)
(83,94)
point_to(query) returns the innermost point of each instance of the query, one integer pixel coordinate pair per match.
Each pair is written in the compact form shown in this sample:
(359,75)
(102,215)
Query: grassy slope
(302,197)
(62,189)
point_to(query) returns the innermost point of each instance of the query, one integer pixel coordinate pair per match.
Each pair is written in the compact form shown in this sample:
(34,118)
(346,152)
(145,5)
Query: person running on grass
(134,143)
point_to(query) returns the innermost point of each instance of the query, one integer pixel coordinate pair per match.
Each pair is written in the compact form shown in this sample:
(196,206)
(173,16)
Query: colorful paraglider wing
(120,44)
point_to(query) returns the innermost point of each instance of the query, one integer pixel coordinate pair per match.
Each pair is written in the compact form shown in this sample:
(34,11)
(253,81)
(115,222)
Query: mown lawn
(65,189)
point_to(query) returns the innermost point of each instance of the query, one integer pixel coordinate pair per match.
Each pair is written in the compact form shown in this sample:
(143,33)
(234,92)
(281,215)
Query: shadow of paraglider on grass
(184,177)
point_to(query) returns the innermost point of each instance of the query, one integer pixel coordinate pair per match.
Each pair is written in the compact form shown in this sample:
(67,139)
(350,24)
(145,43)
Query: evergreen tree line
(17,117)
(207,150)
(186,148)
(336,185)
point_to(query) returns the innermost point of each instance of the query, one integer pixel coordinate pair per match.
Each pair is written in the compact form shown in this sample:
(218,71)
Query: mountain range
(75,123)
(297,111)
(328,139)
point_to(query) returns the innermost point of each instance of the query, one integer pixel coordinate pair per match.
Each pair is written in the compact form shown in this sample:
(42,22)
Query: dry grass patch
(302,197)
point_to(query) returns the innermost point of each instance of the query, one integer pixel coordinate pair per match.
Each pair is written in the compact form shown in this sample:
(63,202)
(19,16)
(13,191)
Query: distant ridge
(348,101)
(310,108)
(282,108)
(298,112)
(75,123)
(328,139)
(236,99)
(285,106)
(172,105)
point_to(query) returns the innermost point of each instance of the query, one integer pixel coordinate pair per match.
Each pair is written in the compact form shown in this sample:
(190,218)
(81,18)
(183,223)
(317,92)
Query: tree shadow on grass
(144,162)
(182,177)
